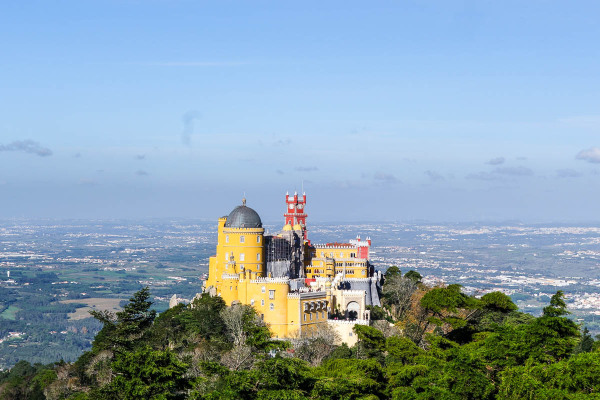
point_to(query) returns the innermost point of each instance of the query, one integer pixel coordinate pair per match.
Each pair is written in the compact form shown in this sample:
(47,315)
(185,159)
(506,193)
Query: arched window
(353,309)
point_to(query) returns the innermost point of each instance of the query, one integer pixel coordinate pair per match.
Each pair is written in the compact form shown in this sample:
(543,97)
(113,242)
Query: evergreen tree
(121,331)
(586,343)
(414,276)
(146,374)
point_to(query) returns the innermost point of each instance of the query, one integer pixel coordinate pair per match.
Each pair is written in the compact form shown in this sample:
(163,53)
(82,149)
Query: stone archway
(352,310)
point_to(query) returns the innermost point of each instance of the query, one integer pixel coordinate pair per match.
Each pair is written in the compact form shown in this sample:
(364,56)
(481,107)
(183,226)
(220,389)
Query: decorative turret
(363,246)
(295,213)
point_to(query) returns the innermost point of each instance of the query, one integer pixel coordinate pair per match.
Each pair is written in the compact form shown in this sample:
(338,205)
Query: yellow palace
(294,285)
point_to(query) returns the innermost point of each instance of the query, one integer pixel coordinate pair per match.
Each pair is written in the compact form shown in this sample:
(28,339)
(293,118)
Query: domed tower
(240,250)
(243,217)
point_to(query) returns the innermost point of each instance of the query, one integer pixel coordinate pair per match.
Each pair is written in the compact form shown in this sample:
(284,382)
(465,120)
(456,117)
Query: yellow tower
(240,249)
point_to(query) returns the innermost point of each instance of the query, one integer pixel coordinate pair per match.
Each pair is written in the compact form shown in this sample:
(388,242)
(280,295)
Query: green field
(10,313)
(100,304)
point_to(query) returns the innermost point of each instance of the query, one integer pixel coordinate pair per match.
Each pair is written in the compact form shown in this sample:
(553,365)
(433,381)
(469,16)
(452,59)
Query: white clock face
(291,206)
(301,206)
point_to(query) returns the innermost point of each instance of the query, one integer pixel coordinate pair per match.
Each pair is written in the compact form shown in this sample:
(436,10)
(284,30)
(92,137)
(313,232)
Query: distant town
(53,273)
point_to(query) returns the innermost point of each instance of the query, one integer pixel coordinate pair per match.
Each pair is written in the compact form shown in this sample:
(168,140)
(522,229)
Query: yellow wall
(269,299)
(336,252)
(242,278)
(238,249)
(284,314)
(300,320)
(329,267)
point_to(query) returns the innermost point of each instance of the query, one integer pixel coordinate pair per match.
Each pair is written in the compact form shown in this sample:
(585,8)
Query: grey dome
(243,217)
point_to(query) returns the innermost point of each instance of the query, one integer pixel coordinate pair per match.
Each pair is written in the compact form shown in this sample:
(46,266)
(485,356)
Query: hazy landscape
(61,270)
(460,137)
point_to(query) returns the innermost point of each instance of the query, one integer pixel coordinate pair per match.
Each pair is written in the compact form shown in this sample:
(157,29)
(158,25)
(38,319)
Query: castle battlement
(352,260)
(348,322)
(230,276)
(334,246)
(356,279)
(270,280)
(307,295)
(353,292)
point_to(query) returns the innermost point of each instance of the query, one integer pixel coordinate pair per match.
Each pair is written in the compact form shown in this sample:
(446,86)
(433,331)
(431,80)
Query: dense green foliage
(440,344)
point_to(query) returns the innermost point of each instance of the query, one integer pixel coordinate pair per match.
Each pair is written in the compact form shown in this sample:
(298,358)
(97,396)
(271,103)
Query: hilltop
(425,343)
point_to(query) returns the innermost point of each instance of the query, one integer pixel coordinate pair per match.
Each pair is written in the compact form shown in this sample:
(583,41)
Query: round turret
(243,217)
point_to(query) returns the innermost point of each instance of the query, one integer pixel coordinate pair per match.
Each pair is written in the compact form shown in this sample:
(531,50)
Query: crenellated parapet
(307,294)
(333,246)
(353,292)
(357,279)
(348,322)
(282,280)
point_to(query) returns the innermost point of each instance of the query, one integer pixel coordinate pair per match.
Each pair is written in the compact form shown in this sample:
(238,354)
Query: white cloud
(434,176)
(27,146)
(188,125)
(383,177)
(590,155)
(496,161)
(500,173)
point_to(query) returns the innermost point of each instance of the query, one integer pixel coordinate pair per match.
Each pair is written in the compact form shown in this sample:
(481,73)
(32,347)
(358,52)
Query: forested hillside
(424,343)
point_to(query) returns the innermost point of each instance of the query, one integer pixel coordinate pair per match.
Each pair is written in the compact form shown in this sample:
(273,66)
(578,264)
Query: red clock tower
(295,210)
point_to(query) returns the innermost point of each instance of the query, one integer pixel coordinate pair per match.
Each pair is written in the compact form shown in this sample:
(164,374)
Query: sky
(447,111)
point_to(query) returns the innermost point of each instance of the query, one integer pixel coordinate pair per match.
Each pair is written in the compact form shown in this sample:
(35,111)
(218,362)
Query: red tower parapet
(362,246)
(295,210)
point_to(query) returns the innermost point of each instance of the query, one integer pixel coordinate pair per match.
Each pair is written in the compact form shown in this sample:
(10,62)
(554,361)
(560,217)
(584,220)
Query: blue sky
(399,110)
